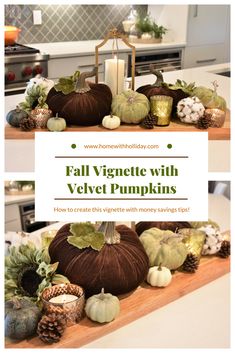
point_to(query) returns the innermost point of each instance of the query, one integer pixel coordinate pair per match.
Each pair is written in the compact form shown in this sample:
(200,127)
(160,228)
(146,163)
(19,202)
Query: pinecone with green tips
(148,122)
(27,124)
(191,263)
(204,122)
(51,327)
(225,249)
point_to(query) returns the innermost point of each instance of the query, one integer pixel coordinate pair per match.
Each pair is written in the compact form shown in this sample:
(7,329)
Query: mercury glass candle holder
(41,116)
(217,117)
(65,299)
(161,108)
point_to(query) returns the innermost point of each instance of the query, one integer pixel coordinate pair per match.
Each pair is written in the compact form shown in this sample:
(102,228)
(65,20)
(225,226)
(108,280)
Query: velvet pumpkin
(15,116)
(86,105)
(160,88)
(119,267)
(173,226)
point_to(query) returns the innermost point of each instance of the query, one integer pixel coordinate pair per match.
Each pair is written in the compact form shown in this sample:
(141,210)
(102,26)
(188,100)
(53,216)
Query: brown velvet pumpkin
(119,267)
(173,226)
(86,106)
(159,88)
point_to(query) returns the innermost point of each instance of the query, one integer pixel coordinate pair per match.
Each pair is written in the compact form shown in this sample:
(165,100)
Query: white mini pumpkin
(103,307)
(159,276)
(111,122)
(56,124)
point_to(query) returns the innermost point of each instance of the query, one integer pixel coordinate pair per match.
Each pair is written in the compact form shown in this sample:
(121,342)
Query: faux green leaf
(58,279)
(84,236)
(66,85)
(81,229)
(181,84)
(45,270)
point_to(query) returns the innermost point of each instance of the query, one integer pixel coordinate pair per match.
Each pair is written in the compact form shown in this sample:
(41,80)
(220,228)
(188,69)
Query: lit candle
(63,299)
(115,74)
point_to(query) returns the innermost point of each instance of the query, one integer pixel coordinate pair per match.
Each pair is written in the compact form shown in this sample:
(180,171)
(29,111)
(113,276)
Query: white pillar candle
(115,74)
(63,299)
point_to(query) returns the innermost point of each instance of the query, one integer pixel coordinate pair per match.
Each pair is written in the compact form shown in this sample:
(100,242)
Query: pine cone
(191,263)
(27,124)
(148,122)
(51,327)
(225,249)
(204,122)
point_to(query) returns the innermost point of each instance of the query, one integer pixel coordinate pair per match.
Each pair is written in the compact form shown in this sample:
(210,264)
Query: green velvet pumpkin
(164,248)
(131,107)
(21,318)
(14,116)
(209,97)
(173,226)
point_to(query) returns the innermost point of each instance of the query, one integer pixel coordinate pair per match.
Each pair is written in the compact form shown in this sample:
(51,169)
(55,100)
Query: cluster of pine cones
(27,124)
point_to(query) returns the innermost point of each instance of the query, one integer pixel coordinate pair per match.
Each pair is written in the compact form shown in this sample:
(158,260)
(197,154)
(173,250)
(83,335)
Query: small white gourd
(111,122)
(159,276)
(102,307)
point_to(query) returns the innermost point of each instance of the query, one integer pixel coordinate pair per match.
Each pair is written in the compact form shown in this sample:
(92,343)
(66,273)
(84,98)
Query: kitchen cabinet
(65,66)
(207,35)
(12,218)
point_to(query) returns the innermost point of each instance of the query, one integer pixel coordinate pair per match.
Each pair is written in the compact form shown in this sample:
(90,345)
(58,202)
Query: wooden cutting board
(136,304)
(223,133)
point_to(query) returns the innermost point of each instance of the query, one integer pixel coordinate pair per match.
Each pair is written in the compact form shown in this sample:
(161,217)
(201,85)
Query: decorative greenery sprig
(180,84)
(144,24)
(85,235)
(67,85)
(35,98)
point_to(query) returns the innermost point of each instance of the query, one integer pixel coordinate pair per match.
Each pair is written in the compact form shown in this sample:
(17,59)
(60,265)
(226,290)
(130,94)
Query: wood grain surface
(223,133)
(136,304)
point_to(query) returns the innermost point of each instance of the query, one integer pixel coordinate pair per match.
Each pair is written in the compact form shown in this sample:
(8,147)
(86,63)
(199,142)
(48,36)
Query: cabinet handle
(205,61)
(195,11)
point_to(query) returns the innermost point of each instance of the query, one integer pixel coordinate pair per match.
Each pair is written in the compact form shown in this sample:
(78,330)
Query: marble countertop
(81,48)
(9,199)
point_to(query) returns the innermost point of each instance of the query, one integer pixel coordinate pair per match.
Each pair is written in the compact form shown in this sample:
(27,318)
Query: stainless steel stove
(21,64)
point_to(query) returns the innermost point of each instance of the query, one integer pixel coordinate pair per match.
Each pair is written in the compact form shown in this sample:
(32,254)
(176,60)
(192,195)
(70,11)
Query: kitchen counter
(9,199)
(200,319)
(219,151)
(81,48)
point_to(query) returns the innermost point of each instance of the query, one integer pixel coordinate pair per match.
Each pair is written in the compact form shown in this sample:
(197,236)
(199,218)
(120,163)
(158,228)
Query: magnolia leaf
(58,279)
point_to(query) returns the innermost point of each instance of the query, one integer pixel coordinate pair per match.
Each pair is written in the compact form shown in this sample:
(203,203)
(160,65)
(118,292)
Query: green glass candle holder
(161,108)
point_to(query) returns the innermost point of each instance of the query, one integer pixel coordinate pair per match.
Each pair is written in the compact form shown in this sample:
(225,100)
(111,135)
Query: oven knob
(10,76)
(27,71)
(37,70)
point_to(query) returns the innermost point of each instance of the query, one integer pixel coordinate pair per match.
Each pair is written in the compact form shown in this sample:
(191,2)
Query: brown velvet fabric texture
(150,90)
(85,109)
(173,226)
(117,268)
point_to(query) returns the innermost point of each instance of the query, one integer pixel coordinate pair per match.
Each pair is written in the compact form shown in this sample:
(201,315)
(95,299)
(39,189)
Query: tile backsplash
(61,23)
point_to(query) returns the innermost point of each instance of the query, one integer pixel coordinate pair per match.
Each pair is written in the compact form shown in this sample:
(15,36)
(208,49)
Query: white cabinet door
(12,218)
(204,55)
(207,24)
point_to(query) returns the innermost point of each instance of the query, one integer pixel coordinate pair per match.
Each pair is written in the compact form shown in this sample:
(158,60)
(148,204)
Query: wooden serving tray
(136,304)
(223,133)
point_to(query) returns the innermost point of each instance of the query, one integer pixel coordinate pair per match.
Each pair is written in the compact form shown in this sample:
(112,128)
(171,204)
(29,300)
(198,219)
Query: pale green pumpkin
(56,124)
(164,248)
(103,307)
(209,97)
(131,107)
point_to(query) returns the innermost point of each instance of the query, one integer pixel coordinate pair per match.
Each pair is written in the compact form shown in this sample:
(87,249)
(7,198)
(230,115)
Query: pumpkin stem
(81,85)
(111,236)
(102,296)
(16,303)
(160,267)
(158,75)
